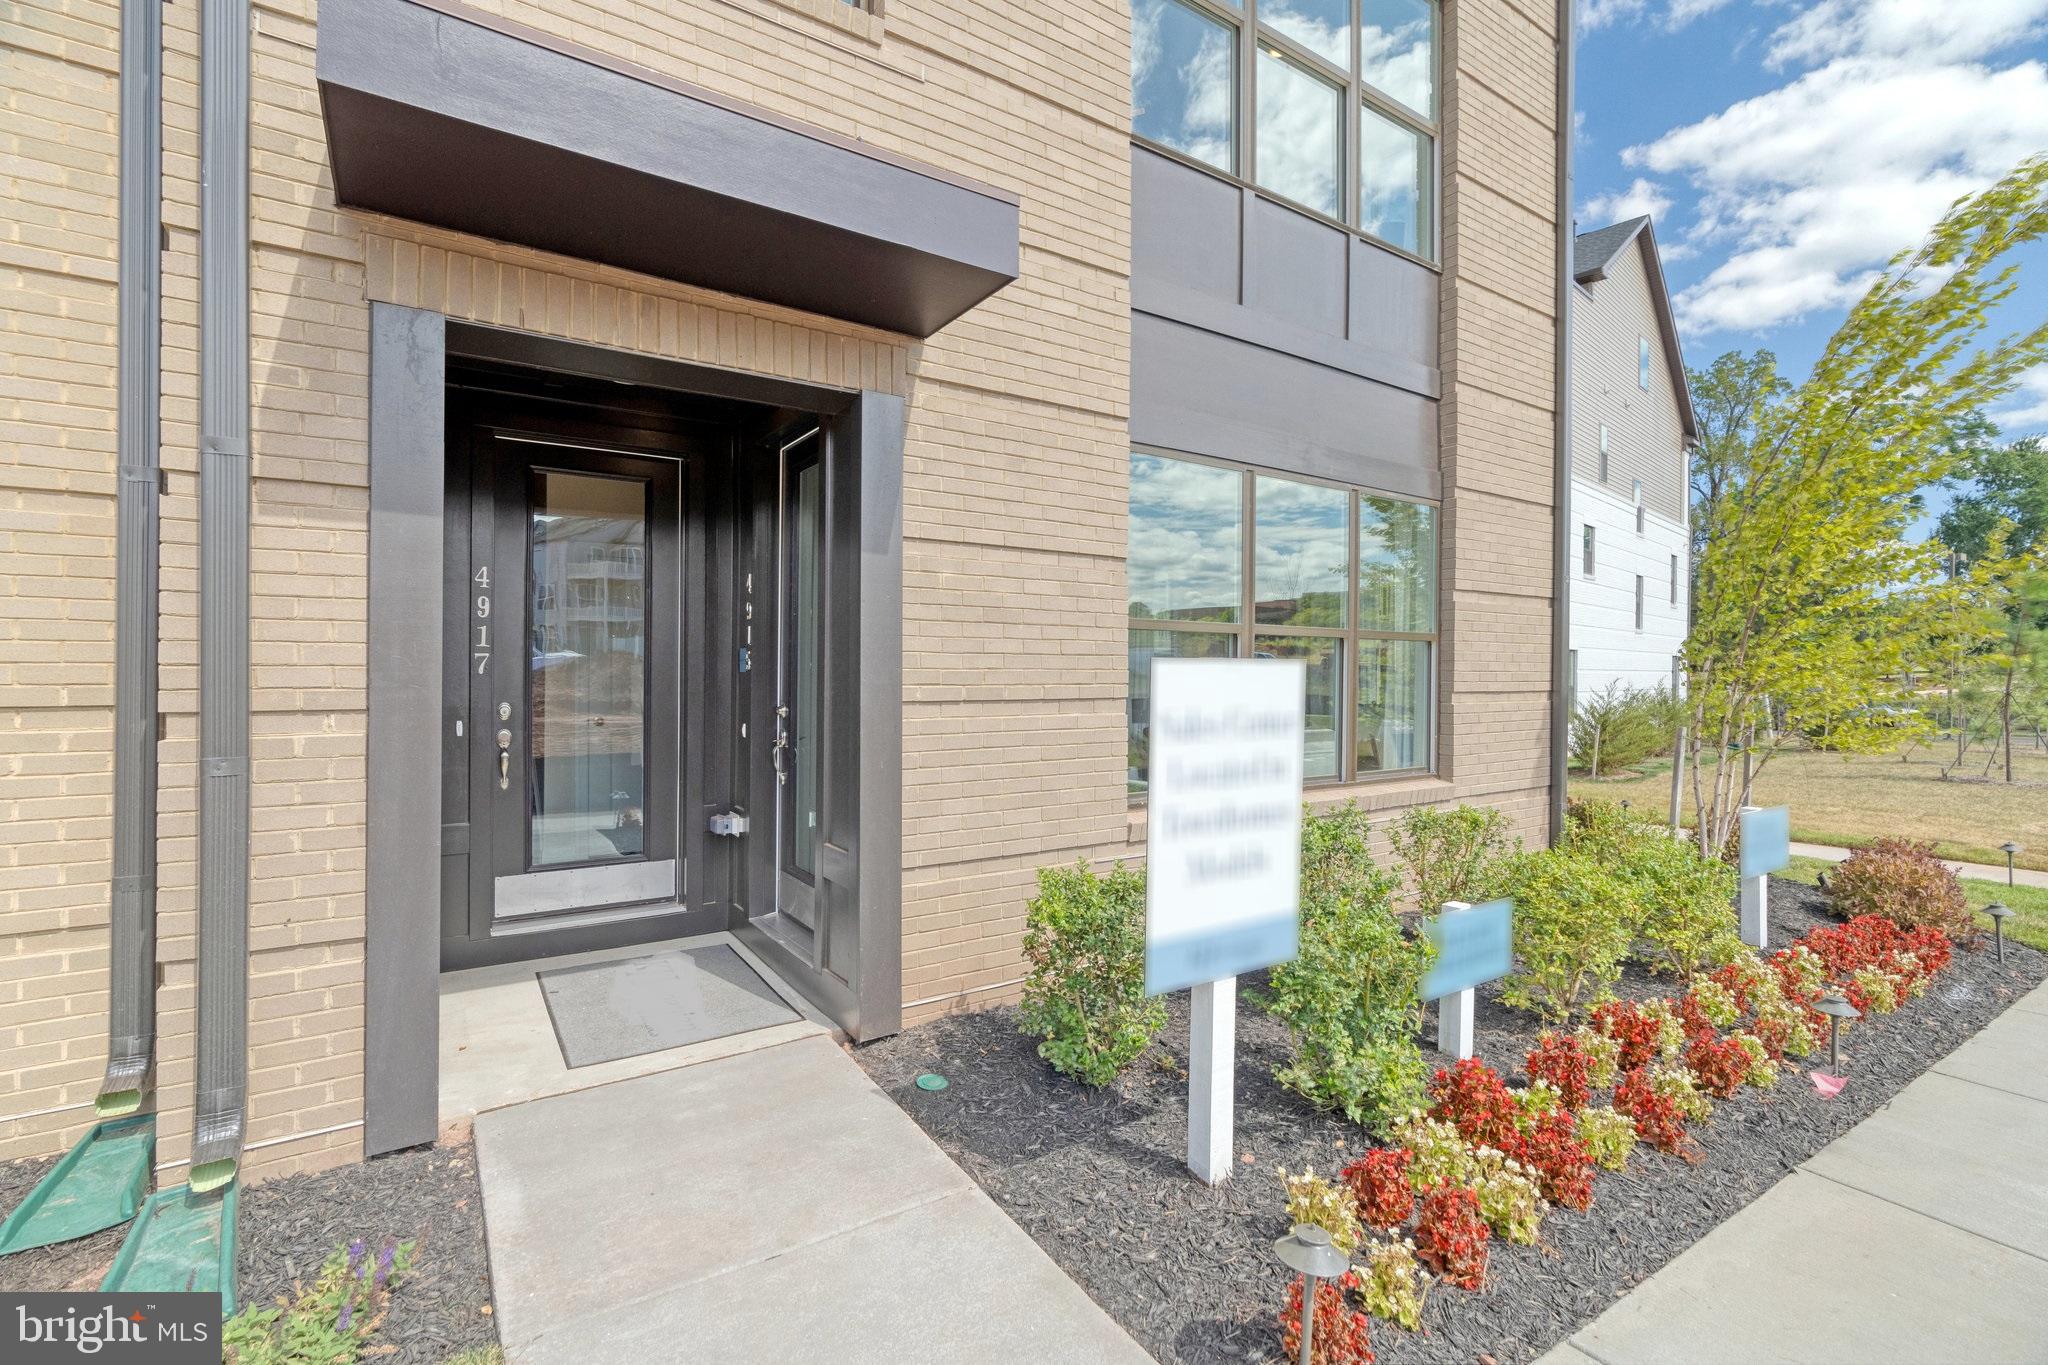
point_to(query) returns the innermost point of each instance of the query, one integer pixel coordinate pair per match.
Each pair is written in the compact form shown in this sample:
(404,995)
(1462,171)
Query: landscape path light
(2008,848)
(1999,915)
(1307,1251)
(1837,1008)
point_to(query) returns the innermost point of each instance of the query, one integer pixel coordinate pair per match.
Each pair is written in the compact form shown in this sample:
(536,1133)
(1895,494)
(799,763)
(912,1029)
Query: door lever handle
(504,759)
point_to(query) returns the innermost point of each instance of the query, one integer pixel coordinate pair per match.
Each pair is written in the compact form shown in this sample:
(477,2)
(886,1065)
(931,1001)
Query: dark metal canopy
(444,115)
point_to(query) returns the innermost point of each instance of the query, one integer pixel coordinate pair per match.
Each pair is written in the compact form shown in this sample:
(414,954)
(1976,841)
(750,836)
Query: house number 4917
(480,650)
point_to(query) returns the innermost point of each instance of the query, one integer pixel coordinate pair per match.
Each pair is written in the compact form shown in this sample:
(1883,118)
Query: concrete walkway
(1984,872)
(772,1206)
(1920,1235)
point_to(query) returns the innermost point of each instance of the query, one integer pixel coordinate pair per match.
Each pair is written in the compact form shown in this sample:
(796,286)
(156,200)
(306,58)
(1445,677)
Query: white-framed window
(1643,364)
(1674,580)
(1639,601)
(1586,550)
(1342,104)
(1642,519)
(1226,561)
(1603,452)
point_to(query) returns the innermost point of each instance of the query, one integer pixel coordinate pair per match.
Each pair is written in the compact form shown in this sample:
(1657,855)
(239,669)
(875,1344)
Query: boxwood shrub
(1084,994)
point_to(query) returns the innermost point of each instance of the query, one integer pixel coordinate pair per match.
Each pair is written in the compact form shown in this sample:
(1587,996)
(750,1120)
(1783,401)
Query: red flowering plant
(1693,1019)
(1340,1337)
(1379,1185)
(1657,1119)
(1558,1059)
(1930,947)
(1554,1150)
(1472,1097)
(1451,1237)
(1865,941)
(1639,1034)
(1722,1064)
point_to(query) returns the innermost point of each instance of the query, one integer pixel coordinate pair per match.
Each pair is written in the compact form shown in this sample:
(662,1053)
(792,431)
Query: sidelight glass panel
(1184,81)
(1393,705)
(1186,550)
(1397,51)
(587,592)
(1300,135)
(1396,565)
(1322,706)
(1302,554)
(1147,645)
(1394,178)
(805,730)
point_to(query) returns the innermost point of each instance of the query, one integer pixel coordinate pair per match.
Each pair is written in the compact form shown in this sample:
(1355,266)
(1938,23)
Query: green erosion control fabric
(99,1184)
(182,1242)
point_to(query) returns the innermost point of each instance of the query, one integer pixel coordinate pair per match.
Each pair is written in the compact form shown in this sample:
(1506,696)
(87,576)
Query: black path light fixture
(1837,1008)
(1307,1251)
(1999,913)
(2008,848)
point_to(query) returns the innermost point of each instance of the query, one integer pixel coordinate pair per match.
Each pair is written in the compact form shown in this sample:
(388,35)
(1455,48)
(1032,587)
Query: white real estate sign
(1223,858)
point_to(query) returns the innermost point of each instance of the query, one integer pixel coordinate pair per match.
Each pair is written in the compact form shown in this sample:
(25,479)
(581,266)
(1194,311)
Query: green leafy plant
(1350,998)
(1391,1284)
(329,1322)
(1509,1199)
(1763,1071)
(1440,1156)
(1084,992)
(1678,1085)
(1609,1137)
(1325,1204)
(1452,855)
(1620,726)
(1903,882)
(1574,921)
(1603,1058)
(1683,899)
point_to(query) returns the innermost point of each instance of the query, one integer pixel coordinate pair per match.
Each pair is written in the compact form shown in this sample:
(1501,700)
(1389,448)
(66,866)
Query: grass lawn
(2028,925)
(1849,800)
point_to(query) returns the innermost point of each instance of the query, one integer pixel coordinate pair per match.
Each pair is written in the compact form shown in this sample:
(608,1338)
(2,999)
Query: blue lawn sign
(1472,947)
(1766,840)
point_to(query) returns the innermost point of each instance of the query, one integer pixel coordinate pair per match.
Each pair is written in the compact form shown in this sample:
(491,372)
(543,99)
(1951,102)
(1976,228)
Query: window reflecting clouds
(1394,176)
(1184,81)
(1301,135)
(1321,26)
(1302,554)
(1397,51)
(1186,555)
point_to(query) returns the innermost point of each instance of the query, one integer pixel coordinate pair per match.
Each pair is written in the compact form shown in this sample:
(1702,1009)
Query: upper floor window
(1226,562)
(1586,551)
(1643,364)
(1639,601)
(1674,580)
(1603,452)
(1343,102)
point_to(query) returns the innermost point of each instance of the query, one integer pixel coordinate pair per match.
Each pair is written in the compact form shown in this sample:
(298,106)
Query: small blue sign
(1472,946)
(1766,840)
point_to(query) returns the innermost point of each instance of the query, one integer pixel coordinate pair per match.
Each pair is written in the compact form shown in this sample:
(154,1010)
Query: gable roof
(1595,252)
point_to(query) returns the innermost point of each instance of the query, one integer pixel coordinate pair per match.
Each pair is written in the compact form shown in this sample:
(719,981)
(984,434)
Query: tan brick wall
(58,131)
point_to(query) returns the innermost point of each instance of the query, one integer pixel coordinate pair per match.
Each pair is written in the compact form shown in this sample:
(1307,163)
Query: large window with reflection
(1227,562)
(1340,116)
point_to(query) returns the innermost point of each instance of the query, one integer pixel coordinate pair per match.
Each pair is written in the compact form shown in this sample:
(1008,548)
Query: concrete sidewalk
(773,1206)
(1920,1235)
(1983,872)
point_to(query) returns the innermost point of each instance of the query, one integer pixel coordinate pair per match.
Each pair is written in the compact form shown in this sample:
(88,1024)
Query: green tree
(1810,604)
(1999,483)
(1727,397)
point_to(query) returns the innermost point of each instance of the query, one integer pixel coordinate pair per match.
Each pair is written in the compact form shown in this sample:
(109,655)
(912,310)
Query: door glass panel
(588,671)
(804,670)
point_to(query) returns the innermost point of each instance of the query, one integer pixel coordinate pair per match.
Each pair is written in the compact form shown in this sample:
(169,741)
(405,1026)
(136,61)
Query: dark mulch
(287,1227)
(1098,1177)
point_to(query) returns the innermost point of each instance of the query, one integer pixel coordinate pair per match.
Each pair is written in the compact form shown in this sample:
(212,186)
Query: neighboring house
(1632,429)
(718,465)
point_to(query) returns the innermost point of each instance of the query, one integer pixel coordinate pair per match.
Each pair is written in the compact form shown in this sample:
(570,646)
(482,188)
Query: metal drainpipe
(1561,476)
(131,1006)
(223,592)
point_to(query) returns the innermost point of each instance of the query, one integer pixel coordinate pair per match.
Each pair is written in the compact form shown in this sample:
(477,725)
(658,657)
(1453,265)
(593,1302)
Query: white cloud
(1676,14)
(2028,415)
(1911,30)
(1811,187)
(1640,198)
(1594,14)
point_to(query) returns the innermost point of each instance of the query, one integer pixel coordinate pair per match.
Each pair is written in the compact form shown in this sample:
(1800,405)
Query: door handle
(504,759)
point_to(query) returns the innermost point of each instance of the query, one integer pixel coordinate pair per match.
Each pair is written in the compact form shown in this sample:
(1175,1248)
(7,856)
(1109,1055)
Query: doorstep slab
(1814,1273)
(951,1281)
(615,1194)
(1954,1150)
(2011,1054)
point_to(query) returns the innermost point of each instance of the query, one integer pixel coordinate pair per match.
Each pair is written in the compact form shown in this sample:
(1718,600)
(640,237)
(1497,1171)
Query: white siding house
(1632,424)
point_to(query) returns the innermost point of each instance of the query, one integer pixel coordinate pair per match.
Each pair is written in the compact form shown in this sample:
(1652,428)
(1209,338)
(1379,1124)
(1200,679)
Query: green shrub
(1574,921)
(327,1323)
(1685,902)
(1902,881)
(1452,855)
(1084,993)
(1321,1203)
(1620,726)
(1609,1136)
(1349,1000)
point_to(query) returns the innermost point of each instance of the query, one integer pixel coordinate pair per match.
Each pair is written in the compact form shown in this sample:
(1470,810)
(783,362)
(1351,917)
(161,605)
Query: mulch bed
(289,1226)
(1098,1178)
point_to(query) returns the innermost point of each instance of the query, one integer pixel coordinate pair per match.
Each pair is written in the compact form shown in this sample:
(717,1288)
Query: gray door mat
(603,1011)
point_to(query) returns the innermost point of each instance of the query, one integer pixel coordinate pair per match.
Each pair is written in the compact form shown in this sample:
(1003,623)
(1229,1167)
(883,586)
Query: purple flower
(384,1260)
(355,1258)
(348,1310)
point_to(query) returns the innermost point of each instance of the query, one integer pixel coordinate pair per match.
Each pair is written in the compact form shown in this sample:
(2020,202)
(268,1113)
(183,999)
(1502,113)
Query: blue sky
(1786,148)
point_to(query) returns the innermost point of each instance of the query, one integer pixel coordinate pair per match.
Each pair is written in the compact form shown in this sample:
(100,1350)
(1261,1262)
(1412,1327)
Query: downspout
(1561,475)
(223,593)
(130,1081)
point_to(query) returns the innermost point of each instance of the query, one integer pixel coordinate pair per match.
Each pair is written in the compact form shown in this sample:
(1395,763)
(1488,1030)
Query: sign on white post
(1223,859)
(1474,945)
(1766,848)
